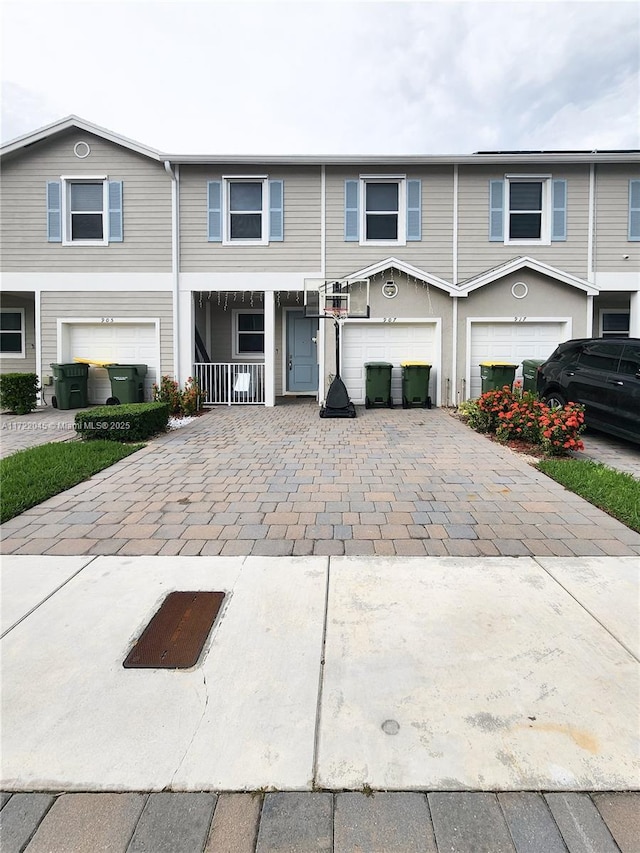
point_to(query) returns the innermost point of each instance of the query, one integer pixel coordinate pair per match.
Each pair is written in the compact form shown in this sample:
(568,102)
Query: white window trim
(603,311)
(226,213)
(546,211)
(243,356)
(401,181)
(23,333)
(67,180)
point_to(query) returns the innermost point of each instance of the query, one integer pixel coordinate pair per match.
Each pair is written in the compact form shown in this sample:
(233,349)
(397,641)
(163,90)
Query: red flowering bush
(517,414)
(181,403)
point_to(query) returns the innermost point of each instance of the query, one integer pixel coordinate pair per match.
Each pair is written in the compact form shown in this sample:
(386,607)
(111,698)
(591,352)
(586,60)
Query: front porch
(251,347)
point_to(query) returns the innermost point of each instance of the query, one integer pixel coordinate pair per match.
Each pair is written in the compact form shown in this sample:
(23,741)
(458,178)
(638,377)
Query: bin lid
(378,364)
(415,364)
(497,364)
(94,362)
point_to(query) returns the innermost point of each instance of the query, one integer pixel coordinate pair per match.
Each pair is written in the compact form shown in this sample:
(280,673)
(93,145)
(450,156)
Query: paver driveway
(255,481)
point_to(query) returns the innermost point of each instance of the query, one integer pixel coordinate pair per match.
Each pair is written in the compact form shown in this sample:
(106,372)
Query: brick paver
(250,480)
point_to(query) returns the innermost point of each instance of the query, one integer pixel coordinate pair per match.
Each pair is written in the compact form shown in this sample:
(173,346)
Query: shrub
(128,422)
(517,414)
(18,392)
(186,402)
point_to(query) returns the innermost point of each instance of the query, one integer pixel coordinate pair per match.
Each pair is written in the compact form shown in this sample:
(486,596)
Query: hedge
(128,422)
(18,392)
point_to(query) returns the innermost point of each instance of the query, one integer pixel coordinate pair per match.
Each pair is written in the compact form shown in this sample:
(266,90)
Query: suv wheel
(554,399)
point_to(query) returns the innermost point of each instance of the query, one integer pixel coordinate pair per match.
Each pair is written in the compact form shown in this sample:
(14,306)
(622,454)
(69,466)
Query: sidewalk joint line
(586,609)
(316,734)
(52,593)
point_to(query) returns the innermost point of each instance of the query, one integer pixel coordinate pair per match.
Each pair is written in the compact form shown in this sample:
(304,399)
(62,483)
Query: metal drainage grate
(175,636)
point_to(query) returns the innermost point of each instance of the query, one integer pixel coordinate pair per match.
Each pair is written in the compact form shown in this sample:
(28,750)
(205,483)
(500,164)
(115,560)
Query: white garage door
(511,342)
(391,342)
(121,343)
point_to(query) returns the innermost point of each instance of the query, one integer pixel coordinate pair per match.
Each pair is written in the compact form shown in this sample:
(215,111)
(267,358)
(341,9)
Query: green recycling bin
(69,386)
(529,373)
(378,384)
(496,374)
(127,383)
(415,384)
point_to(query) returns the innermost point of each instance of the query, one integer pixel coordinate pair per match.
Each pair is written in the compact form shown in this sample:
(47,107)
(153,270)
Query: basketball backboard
(339,298)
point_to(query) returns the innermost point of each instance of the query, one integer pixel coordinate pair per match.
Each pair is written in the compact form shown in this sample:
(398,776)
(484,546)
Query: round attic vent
(519,290)
(81,150)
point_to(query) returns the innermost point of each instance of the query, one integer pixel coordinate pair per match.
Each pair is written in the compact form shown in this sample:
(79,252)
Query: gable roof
(86,126)
(516,264)
(407,269)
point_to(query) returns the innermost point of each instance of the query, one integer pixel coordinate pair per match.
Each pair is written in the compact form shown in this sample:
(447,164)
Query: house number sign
(106,319)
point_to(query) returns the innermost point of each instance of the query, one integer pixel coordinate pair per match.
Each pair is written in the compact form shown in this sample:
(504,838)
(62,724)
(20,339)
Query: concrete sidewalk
(282,482)
(465,687)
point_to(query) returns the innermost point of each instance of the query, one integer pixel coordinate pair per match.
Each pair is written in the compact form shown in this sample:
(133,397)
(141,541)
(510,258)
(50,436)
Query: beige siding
(61,304)
(300,249)
(476,253)
(433,253)
(146,209)
(612,220)
(28,363)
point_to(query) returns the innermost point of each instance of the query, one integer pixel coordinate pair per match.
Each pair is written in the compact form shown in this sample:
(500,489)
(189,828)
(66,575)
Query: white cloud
(328,77)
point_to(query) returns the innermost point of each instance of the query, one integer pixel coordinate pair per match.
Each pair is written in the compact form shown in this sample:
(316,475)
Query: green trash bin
(69,386)
(415,384)
(378,384)
(529,373)
(127,383)
(496,374)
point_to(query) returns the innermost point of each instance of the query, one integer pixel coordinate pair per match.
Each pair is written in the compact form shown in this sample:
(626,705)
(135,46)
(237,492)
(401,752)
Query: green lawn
(613,491)
(31,476)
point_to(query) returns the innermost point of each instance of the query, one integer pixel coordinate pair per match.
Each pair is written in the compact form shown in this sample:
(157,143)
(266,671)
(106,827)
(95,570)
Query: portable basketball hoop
(337,300)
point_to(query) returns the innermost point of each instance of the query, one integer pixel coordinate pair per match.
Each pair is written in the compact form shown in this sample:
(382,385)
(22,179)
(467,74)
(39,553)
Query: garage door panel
(120,343)
(390,342)
(511,342)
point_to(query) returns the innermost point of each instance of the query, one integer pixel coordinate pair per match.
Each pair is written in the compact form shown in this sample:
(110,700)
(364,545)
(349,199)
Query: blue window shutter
(276,210)
(116,234)
(634,210)
(54,211)
(351,211)
(496,211)
(414,210)
(559,220)
(214,211)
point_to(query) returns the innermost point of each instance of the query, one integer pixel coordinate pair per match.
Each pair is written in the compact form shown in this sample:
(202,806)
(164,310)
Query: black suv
(601,373)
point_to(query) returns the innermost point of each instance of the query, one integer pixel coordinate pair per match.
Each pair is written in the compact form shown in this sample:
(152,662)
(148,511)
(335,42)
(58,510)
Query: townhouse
(224,267)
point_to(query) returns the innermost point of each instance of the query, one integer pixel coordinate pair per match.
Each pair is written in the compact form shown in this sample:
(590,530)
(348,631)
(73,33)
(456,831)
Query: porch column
(269,349)
(186,335)
(634,314)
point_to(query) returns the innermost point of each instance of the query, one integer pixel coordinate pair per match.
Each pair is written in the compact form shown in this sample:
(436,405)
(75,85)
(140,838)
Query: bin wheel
(405,404)
(367,403)
(321,413)
(427,403)
(54,402)
(113,401)
(390,403)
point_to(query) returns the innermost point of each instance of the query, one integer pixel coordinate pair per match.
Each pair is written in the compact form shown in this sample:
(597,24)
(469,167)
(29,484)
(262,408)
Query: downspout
(591,245)
(454,331)
(38,344)
(175,261)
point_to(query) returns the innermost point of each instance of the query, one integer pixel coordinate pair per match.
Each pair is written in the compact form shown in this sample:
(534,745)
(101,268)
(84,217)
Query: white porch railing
(230,383)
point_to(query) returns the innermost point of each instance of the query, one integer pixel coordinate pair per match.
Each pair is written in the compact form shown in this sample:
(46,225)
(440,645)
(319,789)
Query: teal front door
(302,353)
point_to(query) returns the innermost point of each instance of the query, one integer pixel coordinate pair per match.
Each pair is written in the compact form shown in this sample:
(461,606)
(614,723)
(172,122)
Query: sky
(328,76)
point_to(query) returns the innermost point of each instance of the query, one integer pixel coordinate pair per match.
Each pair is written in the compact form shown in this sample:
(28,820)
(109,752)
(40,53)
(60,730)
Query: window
(248,334)
(12,343)
(630,361)
(528,209)
(382,209)
(84,210)
(600,356)
(614,323)
(247,210)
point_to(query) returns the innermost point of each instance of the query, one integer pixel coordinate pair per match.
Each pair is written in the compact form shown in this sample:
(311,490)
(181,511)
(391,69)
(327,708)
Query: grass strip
(615,492)
(31,476)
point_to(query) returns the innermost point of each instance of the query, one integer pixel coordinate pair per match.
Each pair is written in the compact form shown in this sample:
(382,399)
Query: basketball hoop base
(338,404)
